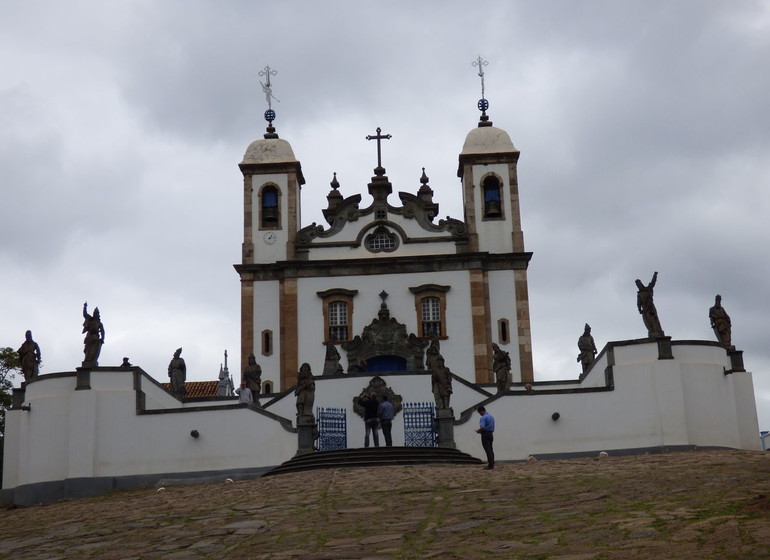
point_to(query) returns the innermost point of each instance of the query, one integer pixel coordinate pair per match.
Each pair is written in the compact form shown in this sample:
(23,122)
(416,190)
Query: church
(378,299)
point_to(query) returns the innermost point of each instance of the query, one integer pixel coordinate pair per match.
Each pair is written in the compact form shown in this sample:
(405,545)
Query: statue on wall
(94,331)
(332,364)
(432,354)
(252,376)
(720,322)
(587,348)
(30,357)
(441,376)
(177,371)
(305,391)
(501,365)
(646,307)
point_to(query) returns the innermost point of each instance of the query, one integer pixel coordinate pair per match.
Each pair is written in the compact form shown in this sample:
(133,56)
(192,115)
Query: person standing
(487,429)
(244,394)
(385,412)
(370,406)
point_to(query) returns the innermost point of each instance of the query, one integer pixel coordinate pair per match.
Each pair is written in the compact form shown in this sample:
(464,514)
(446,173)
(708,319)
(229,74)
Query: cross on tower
(379,137)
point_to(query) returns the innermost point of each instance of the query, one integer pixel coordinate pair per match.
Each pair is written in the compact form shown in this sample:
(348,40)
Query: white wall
(655,403)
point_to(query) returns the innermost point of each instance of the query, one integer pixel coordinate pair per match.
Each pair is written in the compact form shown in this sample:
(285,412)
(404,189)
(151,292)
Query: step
(374,456)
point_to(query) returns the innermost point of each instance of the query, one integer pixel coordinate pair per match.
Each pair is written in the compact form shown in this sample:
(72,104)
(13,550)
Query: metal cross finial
(379,137)
(480,62)
(384,295)
(267,87)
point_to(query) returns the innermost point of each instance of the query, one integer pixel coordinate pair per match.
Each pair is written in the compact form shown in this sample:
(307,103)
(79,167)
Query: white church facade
(360,299)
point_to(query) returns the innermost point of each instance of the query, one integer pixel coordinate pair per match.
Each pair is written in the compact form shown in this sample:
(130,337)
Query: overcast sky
(644,130)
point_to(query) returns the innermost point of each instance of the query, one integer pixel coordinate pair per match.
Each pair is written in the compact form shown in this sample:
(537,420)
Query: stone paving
(689,505)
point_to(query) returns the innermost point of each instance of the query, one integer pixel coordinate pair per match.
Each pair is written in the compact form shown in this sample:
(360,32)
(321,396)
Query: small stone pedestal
(307,433)
(445,418)
(736,359)
(664,348)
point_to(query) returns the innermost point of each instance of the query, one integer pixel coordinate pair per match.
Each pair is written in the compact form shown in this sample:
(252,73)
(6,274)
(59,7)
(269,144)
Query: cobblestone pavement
(688,505)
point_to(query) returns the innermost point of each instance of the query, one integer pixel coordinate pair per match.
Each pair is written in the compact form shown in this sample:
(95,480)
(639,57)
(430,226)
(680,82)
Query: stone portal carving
(385,337)
(377,386)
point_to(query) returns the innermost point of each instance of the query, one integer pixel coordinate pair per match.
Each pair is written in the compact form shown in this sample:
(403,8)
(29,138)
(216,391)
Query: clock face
(270,237)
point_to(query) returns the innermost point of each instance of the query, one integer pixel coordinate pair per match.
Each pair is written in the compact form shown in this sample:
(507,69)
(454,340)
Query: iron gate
(418,425)
(332,429)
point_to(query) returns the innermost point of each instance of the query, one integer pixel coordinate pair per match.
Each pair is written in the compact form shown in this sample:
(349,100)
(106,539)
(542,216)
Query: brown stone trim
(292,212)
(247,249)
(247,321)
(523,328)
(273,168)
(479,288)
(385,265)
(470,208)
(289,346)
(517,234)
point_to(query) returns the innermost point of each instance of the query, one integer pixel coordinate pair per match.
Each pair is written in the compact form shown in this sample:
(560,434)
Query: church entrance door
(386,363)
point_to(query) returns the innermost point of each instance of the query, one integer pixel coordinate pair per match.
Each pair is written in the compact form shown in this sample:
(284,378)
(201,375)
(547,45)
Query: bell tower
(272,180)
(487,170)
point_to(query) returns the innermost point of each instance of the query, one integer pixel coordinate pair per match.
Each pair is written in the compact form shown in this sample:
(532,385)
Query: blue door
(386,363)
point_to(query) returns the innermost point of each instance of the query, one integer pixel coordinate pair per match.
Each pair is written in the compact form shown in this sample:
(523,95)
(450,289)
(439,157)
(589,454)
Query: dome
(269,150)
(487,140)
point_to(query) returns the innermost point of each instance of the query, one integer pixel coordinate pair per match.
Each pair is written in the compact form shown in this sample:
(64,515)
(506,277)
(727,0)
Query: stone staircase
(374,457)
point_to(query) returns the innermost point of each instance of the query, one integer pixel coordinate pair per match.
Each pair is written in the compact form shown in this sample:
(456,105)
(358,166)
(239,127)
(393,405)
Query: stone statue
(720,322)
(252,376)
(432,354)
(94,331)
(177,371)
(502,367)
(441,380)
(30,357)
(332,364)
(587,349)
(305,391)
(646,307)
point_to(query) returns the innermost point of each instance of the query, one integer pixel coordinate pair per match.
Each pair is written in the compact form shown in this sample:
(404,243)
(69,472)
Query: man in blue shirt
(487,429)
(386,413)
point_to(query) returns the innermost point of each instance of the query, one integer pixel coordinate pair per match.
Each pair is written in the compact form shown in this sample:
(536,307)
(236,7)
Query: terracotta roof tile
(196,389)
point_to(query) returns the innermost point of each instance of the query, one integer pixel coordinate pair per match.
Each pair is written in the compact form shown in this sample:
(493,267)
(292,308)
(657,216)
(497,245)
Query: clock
(270,237)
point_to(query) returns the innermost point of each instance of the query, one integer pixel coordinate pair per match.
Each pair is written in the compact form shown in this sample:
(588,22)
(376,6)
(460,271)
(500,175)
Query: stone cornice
(383,265)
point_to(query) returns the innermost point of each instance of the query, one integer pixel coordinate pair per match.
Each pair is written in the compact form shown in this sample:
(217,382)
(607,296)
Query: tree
(10,365)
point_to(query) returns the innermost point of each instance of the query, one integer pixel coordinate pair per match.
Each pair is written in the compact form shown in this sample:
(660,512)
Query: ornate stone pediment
(386,337)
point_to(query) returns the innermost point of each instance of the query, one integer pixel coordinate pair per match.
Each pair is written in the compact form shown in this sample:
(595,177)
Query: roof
(198,389)
(487,140)
(269,150)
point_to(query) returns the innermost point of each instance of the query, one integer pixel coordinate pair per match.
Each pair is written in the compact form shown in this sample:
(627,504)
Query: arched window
(269,215)
(493,207)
